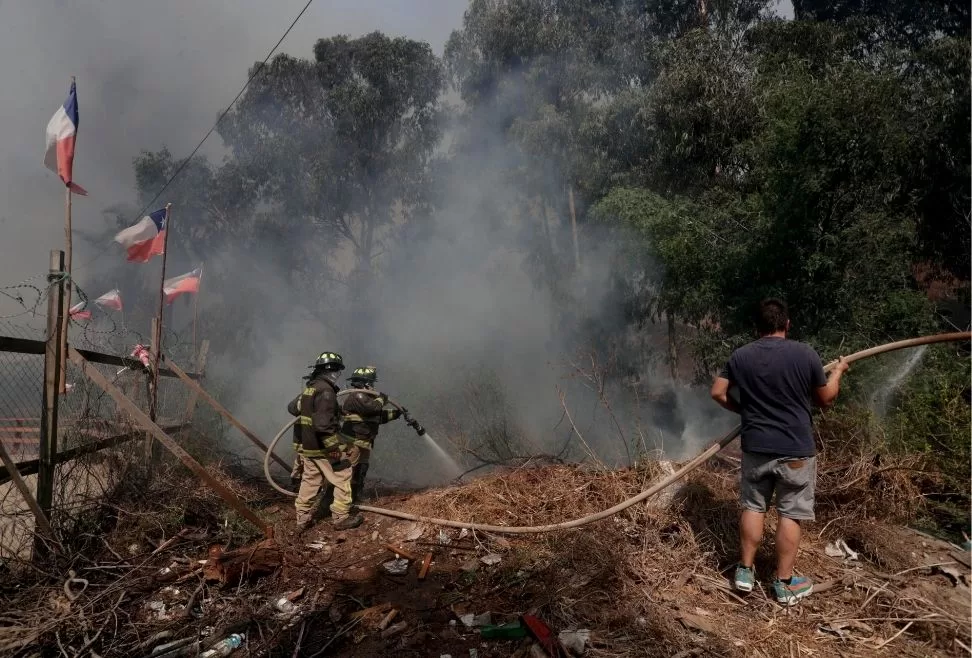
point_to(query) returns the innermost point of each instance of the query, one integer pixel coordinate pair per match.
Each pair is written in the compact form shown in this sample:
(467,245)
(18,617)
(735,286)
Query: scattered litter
(462,535)
(543,634)
(394,630)
(840,549)
(473,653)
(844,629)
(383,624)
(285,605)
(401,552)
(509,630)
(575,641)
(491,559)
(396,567)
(224,647)
(134,549)
(414,531)
(166,575)
(317,545)
(374,536)
(444,538)
(477,621)
(426,563)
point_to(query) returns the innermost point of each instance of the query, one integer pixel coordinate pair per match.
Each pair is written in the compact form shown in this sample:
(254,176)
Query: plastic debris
(839,548)
(473,653)
(224,647)
(462,535)
(575,641)
(511,630)
(396,567)
(317,545)
(491,558)
(444,538)
(285,606)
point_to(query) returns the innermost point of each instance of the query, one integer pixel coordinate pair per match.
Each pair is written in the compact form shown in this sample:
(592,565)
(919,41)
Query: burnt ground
(651,581)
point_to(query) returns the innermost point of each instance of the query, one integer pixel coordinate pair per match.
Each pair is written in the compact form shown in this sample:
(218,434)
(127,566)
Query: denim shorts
(792,478)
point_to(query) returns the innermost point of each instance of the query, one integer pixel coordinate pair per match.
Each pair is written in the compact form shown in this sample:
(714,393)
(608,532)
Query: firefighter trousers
(318,473)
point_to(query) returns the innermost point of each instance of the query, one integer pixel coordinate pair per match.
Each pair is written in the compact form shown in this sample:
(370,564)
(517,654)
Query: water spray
(666,482)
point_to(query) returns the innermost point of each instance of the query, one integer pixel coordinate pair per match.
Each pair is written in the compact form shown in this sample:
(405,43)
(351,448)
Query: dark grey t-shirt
(776,378)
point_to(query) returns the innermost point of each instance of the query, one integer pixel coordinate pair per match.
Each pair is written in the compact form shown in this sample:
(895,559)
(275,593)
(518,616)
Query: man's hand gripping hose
(689,466)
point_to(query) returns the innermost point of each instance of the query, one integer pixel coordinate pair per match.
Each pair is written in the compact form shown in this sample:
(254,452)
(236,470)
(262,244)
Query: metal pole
(68,285)
(157,342)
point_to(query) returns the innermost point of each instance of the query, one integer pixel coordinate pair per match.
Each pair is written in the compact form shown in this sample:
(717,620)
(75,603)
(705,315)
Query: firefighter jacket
(293,408)
(320,419)
(363,414)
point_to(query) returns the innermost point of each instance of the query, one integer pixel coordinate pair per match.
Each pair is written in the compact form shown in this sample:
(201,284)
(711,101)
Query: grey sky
(149,74)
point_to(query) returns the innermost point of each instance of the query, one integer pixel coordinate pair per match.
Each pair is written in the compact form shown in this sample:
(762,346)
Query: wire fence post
(53,377)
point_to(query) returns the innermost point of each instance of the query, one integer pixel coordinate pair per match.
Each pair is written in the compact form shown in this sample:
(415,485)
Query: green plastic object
(508,631)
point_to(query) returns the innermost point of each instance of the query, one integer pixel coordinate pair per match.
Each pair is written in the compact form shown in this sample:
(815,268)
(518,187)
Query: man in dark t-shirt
(777,380)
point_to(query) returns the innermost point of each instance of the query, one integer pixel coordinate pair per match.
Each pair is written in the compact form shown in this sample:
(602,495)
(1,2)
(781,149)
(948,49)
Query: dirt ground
(652,581)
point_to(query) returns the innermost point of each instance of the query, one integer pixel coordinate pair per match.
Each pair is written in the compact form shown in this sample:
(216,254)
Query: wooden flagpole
(69,283)
(157,347)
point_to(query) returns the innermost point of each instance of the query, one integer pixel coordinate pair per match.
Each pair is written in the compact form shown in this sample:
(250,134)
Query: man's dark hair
(772,316)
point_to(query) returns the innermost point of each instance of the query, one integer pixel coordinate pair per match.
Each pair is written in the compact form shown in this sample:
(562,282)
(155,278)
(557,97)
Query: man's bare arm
(720,393)
(825,395)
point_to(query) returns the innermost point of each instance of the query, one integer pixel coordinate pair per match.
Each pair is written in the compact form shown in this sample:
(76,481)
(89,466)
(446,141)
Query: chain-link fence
(97,444)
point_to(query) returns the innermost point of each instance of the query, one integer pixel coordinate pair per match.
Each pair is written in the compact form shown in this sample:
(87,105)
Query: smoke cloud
(461,331)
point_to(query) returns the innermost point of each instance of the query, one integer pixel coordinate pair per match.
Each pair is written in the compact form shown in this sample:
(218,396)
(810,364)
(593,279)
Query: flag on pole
(62,131)
(111,299)
(144,239)
(181,285)
(78,313)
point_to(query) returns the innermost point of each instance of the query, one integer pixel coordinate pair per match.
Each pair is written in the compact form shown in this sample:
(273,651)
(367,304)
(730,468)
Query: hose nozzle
(414,424)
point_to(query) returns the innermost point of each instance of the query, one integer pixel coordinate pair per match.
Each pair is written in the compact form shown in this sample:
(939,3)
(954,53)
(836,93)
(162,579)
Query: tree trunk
(672,347)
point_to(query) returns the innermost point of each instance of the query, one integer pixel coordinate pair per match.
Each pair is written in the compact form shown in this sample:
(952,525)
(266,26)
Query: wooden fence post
(39,516)
(53,377)
(159,434)
(193,393)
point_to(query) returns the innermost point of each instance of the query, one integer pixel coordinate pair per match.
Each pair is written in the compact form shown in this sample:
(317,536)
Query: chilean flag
(78,313)
(62,130)
(181,285)
(111,299)
(146,238)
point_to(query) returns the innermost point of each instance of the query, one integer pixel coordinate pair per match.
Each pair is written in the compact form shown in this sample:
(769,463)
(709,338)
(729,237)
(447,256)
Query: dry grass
(651,581)
(654,580)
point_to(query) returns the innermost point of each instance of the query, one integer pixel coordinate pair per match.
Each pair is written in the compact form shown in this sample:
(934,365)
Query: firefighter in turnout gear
(363,415)
(325,455)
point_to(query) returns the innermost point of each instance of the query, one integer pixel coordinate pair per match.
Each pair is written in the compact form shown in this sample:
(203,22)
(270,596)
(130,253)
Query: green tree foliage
(344,141)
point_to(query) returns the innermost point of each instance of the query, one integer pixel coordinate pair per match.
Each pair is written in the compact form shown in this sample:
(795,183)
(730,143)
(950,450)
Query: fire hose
(668,481)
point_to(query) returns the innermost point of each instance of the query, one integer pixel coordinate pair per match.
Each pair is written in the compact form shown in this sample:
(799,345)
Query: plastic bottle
(224,647)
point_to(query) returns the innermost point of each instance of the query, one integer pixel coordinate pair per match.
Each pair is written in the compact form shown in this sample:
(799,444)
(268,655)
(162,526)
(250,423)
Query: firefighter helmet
(329,361)
(364,377)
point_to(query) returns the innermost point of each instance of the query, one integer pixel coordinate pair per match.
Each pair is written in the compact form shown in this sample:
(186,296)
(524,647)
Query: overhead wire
(185,162)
